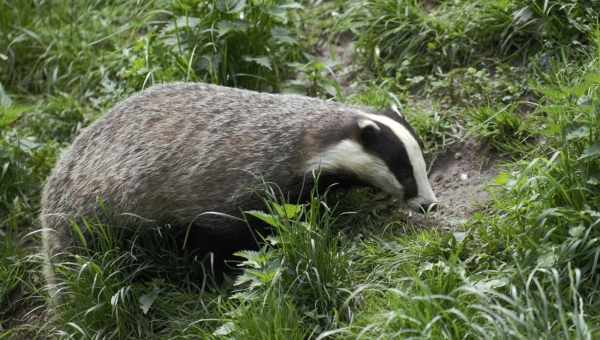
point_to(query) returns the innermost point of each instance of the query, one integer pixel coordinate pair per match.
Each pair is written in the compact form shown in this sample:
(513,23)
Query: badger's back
(175,151)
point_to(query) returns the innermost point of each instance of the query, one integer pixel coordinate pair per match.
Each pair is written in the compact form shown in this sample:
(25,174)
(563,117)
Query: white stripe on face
(415,155)
(350,156)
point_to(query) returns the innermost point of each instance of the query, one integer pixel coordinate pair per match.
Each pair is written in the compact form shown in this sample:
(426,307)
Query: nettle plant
(301,269)
(238,43)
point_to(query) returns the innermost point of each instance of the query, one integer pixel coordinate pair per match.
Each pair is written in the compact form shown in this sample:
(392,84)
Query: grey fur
(177,150)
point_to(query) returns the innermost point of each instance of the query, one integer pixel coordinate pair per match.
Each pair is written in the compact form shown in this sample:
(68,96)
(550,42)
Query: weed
(234,43)
(314,79)
(503,128)
(306,258)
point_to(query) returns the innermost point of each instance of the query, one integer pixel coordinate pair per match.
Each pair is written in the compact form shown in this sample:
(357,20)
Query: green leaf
(578,132)
(547,260)
(278,13)
(522,16)
(224,329)
(226,26)
(252,258)
(249,278)
(282,35)
(589,81)
(231,6)
(292,5)
(550,212)
(593,180)
(290,211)
(592,151)
(577,232)
(331,89)
(491,284)
(502,178)
(267,218)
(7,117)
(459,236)
(180,22)
(147,300)
(262,61)
(5,100)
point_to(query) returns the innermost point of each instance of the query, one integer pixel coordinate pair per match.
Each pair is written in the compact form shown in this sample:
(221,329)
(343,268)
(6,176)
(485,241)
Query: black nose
(428,207)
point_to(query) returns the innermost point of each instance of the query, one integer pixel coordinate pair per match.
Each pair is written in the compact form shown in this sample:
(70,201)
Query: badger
(174,152)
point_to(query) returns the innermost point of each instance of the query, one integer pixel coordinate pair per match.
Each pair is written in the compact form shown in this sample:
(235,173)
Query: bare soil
(459,179)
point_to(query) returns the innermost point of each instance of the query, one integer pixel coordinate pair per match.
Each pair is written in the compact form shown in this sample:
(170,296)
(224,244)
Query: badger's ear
(368,129)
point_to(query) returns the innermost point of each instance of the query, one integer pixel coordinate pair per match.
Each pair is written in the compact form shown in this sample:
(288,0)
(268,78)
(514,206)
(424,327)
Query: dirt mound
(459,178)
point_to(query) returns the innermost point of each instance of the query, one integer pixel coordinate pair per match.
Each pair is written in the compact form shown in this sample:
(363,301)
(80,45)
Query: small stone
(458,155)
(464,176)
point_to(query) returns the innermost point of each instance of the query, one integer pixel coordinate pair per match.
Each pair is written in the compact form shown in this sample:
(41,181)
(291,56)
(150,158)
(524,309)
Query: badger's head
(383,151)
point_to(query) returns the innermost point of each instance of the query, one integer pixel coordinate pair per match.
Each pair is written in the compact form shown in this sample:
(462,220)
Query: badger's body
(173,152)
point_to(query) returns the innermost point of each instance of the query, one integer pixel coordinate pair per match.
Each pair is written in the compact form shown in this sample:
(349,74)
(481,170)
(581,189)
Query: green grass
(519,76)
(408,36)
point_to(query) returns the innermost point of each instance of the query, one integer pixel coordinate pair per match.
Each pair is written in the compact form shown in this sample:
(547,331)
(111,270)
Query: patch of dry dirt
(459,179)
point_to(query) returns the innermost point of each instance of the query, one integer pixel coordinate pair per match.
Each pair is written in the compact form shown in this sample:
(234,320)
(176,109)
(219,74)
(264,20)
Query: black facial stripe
(388,147)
